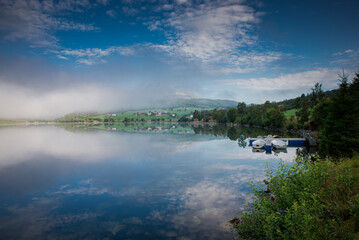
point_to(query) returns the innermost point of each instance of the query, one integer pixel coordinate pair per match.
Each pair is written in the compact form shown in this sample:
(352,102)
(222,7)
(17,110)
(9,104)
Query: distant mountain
(204,103)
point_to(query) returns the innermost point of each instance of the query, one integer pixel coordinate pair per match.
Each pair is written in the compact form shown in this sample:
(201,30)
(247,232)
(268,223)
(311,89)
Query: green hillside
(205,103)
(176,110)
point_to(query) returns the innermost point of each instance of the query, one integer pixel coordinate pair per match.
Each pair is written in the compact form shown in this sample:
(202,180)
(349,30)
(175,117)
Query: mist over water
(76,181)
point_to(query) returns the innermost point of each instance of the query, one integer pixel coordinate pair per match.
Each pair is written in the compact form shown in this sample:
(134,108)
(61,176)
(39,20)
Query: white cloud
(152,26)
(344,52)
(167,7)
(181,1)
(295,81)
(91,56)
(111,13)
(37,21)
(62,57)
(214,33)
(209,31)
(348,58)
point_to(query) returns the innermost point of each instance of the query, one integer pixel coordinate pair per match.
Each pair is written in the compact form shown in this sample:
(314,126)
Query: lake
(133,181)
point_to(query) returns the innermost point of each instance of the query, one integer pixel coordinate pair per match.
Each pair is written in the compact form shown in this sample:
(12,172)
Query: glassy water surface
(126,181)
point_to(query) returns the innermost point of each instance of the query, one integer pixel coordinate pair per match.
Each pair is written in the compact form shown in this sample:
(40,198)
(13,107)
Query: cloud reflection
(121,185)
(19,144)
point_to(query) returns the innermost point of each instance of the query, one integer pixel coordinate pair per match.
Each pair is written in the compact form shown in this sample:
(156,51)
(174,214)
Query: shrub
(317,200)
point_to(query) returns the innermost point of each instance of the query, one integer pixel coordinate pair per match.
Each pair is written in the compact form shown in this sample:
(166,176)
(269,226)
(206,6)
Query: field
(290,113)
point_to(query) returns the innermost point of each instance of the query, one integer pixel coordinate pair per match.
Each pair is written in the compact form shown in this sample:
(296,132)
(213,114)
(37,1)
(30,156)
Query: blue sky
(80,55)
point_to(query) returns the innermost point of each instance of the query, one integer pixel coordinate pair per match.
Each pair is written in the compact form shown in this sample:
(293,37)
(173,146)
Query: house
(107,115)
(196,120)
(114,114)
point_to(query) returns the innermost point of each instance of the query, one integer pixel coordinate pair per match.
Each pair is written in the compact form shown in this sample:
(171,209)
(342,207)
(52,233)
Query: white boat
(279,144)
(260,143)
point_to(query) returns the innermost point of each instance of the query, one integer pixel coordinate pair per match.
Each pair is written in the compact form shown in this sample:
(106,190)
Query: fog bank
(24,103)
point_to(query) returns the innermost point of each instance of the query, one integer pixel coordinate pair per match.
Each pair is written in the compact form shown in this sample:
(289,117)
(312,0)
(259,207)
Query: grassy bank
(317,200)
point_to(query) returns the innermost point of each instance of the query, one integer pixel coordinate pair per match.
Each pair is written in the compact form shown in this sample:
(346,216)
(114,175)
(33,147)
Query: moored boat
(260,143)
(279,144)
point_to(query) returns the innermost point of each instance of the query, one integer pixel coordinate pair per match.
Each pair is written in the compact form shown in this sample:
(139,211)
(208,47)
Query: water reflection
(125,181)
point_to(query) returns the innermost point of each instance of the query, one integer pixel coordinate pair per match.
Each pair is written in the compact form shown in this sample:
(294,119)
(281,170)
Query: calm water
(125,182)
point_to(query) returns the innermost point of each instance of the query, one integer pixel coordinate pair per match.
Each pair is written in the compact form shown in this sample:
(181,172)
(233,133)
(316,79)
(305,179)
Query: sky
(63,56)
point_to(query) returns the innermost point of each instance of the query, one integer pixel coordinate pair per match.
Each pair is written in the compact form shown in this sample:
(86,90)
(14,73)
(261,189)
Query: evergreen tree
(321,111)
(340,134)
(317,94)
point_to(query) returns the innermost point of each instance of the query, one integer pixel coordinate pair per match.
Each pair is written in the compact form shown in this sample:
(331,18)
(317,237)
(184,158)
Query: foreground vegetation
(317,200)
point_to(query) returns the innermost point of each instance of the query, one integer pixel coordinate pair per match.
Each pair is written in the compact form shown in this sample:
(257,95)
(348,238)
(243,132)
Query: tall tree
(274,118)
(340,134)
(317,94)
(196,114)
(232,115)
(241,108)
(303,113)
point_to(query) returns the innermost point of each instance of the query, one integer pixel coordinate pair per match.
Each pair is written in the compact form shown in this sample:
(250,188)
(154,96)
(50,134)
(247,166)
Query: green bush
(317,200)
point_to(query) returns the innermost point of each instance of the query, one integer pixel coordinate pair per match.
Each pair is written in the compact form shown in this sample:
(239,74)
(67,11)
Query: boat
(260,143)
(278,144)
